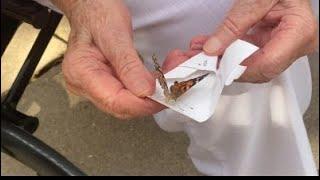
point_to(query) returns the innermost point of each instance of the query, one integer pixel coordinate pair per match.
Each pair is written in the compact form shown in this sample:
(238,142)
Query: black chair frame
(17,128)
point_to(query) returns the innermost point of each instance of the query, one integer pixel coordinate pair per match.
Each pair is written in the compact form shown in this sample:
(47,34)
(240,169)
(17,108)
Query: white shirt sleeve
(49,4)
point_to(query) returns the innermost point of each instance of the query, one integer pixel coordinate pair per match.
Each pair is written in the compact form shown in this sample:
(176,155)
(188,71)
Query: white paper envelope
(200,101)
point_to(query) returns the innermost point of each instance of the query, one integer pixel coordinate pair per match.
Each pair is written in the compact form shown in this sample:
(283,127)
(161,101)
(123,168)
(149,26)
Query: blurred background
(94,141)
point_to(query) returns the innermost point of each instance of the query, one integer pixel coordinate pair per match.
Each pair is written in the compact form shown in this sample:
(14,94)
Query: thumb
(132,72)
(243,15)
(112,33)
(129,68)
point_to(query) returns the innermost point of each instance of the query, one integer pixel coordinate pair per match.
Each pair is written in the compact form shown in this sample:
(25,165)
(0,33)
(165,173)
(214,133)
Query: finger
(239,20)
(192,53)
(88,75)
(198,42)
(259,36)
(116,44)
(132,72)
(285,46)
(174,59)
(109,95)
(177,57)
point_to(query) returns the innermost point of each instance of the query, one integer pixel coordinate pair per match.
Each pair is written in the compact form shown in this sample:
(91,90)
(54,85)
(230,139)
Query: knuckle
(230,25)
(108,104)
(269,71)
(198,39)
(128,64)
(112,107)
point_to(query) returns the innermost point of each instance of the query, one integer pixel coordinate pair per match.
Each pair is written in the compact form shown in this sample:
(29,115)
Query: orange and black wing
(179,88)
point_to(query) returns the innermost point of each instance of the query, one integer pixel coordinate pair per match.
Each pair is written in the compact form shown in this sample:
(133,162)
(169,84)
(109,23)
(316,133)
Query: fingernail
(212,46)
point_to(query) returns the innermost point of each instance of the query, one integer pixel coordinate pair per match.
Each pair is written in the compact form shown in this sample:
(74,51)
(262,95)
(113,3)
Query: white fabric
(256,129)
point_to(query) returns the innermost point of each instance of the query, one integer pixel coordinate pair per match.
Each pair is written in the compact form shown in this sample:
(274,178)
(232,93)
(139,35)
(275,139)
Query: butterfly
(178,88)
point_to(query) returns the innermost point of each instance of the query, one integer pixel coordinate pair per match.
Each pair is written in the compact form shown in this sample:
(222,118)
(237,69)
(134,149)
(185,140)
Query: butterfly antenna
(155,61)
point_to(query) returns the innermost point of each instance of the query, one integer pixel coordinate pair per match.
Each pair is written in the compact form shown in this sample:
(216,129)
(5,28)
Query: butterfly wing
(161,79)
(179,88)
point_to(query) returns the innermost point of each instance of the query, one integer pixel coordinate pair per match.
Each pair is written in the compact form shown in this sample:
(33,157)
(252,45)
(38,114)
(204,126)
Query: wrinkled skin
(102,64)
(284,29)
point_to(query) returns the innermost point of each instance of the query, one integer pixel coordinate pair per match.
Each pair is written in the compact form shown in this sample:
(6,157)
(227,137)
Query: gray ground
(97,143)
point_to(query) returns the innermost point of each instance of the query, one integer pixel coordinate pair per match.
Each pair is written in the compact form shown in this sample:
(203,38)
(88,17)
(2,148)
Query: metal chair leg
(8,29)
(16,128)
(32,61)
(34,153)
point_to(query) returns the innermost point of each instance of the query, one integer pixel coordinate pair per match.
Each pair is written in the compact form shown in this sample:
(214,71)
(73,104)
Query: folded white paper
(200,101)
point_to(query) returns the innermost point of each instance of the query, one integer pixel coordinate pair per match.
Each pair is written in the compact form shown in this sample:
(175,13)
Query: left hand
(101,63)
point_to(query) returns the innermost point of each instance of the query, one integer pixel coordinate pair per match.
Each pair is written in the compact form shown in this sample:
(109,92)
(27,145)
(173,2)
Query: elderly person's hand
(284,29)
(101,63)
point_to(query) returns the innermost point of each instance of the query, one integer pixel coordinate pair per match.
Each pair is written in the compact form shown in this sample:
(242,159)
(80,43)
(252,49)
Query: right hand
(101,63)
(285,30)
